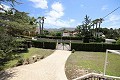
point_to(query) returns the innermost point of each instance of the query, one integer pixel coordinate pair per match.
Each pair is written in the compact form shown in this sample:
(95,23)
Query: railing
(95,76)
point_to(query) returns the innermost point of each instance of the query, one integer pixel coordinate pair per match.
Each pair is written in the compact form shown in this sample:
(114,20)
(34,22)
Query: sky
(70,13)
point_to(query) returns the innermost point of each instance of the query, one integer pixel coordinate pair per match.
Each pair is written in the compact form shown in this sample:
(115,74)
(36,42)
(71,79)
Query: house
(66,33)
(99,34)
(69,33)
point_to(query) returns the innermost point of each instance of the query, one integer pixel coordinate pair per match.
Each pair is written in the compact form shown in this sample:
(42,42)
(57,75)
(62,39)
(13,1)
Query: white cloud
(54,17)
(57,7)
(114,26)
(40,3)
(72,20)
(105,7)
(113,21)
(114,17)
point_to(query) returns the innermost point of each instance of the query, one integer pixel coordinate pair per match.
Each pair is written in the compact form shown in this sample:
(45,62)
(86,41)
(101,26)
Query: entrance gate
(62,45)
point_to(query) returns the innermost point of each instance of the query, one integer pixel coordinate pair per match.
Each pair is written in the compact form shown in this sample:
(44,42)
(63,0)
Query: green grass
(31,52)
(37,51)
(95,62)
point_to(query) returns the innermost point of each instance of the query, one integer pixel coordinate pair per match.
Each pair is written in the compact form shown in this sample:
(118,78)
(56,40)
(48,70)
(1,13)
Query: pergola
(111,51)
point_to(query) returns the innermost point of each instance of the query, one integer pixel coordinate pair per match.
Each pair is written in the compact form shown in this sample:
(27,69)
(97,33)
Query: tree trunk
(40,28)
(96,30)
(99,26)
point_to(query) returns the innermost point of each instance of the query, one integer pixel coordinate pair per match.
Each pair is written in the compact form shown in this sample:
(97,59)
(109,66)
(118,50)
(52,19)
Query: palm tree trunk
(99,26)
(93,29)
(96,30)
(40,28)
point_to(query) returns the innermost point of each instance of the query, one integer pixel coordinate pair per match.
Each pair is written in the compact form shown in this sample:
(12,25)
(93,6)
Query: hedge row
(45,45)
(59,37)
(94,47)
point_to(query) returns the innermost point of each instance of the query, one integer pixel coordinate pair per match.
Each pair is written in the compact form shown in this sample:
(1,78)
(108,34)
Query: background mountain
(55,29)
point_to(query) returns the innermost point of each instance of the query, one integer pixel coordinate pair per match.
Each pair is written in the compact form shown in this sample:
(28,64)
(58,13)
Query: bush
(49,45)
(22,46)
(37,44)
(20,62)
(73,50)
(45,45)
(99,40)
(97,47)
(118,41)
(59,37)
(86,40)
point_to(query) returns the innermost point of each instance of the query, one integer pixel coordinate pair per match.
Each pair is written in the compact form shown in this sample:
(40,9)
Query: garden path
(50,68)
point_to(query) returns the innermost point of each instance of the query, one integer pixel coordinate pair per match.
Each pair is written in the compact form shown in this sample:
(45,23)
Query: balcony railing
(95,76)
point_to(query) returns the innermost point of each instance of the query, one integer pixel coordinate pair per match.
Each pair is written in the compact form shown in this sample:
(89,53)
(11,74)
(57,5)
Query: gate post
(57,45)
(63,46)
(70,45)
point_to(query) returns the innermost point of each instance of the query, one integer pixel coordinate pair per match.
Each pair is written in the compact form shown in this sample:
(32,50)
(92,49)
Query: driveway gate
(63,45)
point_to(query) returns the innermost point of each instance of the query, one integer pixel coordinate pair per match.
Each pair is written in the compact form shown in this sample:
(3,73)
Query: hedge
(59,37)
(43,44)
(100,47)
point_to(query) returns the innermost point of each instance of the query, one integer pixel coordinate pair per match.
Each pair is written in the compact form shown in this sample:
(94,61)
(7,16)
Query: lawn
(92,62)
(31,52)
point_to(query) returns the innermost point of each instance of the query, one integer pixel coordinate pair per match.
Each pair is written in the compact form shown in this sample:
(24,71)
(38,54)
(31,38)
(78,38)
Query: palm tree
(43,18)
(96,21)
(39,24)
(100,21)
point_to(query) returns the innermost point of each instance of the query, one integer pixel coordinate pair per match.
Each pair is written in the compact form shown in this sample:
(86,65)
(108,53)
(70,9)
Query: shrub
(118,41)
(37,44)
(45,45)
(73,50)
(59,37)
(99,40)
(20,62)
(97,47)
(49,45)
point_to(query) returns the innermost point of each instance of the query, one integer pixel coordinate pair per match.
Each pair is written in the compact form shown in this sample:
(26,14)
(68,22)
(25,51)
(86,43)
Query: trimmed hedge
(59,37)
(94,47)
(45,45)
(37,44)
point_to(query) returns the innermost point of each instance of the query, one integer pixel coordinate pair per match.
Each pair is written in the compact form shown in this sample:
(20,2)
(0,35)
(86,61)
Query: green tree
(84,30)
(79,29)
(7,44)
(58,34)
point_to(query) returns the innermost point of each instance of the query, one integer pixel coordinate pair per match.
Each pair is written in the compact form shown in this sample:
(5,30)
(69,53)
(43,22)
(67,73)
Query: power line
(111,12)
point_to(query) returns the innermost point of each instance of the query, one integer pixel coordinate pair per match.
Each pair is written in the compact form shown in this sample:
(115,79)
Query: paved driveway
(50,68)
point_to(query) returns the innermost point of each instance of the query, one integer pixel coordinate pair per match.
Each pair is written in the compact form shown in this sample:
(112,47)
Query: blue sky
(70,13)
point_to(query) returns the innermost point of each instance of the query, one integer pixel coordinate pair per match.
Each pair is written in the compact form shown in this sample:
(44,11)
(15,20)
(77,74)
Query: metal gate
(62,45)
